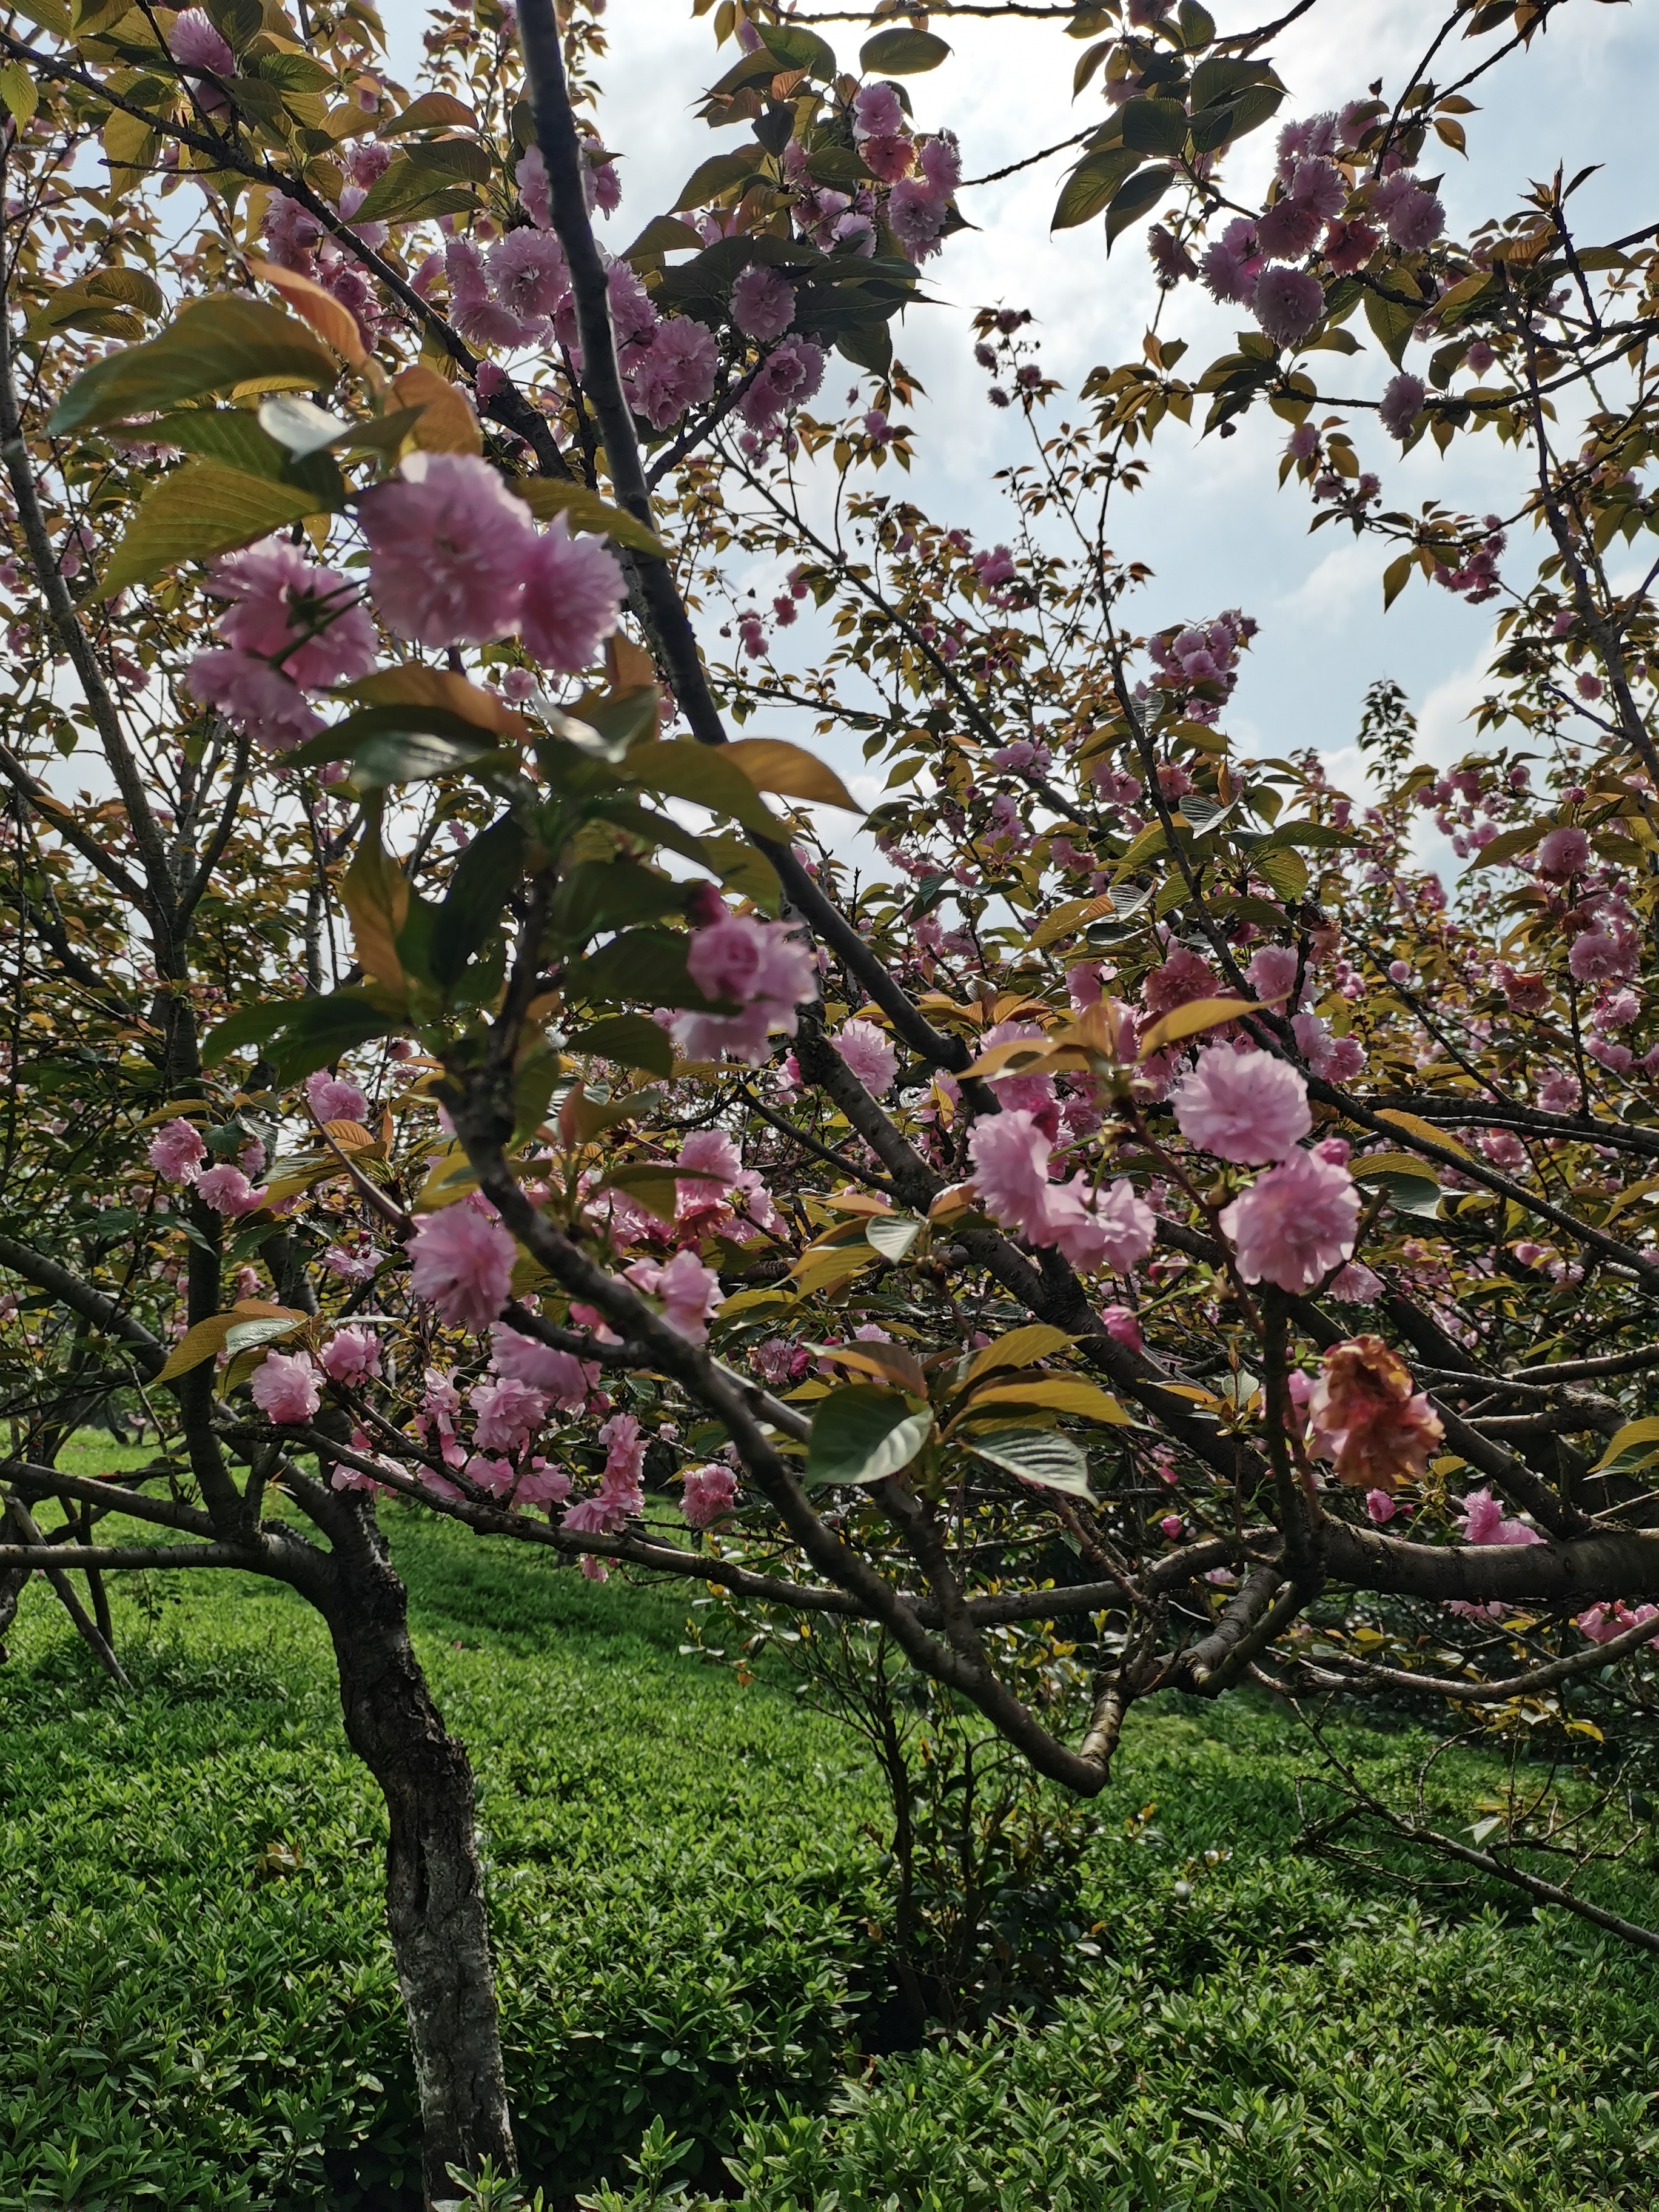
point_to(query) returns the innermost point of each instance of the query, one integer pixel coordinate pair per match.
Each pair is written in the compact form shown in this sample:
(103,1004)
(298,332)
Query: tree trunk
(434,1894)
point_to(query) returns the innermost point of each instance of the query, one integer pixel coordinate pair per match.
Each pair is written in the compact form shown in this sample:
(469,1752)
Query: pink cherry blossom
(868,1051)
(706,1494)
(1295,1222)
(1380,1506)
(462,1262)
(1284,234)
(763,303)
(1172,1525)
(675,371)
(176,1151)
(227,1190)
(1603,956)
(286,1386)
(889,158)
(1357,1285)
(560,1376)
(531,177)
(1484,1522)
(282,603)
(786,378)
(572,594)
(253,697)
(689,1291)
(1402,396)
(1113,1227)
(1332,1059)
(477,313)
(764,966)
(448,548)
(1183,977)
(332,1098)
(528,274)
(1244,1106)
(1271,972)
(1010,1155)
(1416,219)
(1563,853)
(915,215)
(878,110)
(1121,1324)
(352,1355)
(508,1412)
(195,41)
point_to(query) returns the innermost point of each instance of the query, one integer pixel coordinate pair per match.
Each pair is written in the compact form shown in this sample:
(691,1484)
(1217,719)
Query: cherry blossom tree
(450,1069)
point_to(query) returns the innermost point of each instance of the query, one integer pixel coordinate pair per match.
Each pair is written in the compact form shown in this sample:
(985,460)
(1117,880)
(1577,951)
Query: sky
(1211,522)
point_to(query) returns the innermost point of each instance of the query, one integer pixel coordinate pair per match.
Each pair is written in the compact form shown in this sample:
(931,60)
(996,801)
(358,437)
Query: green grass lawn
(684,1882)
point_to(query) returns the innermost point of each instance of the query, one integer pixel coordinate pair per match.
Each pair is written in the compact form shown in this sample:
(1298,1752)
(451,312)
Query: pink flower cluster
(287,1387)
(1486,1522)
(1200,665)
(707,1494)
(620,1497)
(1111,1227)
(455,559)
(762,967)
(1244,1106)
(689,1292)
(917,205)
(291,626)
(332,1098)
(869,1052)
(462,1262)
(1297,1222)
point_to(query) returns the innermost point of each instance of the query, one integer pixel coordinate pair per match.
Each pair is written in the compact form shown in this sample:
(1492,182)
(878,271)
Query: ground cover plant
(693,1934)
(1150,1237)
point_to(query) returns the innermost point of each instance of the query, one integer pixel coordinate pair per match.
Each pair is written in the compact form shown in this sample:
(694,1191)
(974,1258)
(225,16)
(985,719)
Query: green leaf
(684,769)
(229,434)
(1039,1455)
(247,1333)
(546,496)
(862,1434)
(715,176)
(893,1234)
(1256,107)
(1091,184)
(902,53)
(868,346)
(1197,25)
(1138,197)
(197,511)
(300,426)
(1392,324)
(487,872)
(247,1026)
(1395,577)
(302,1033)
(663,234)
(210,346)
(1283,868)
(399,743)
(432,170)
(433,111)
(646,964)
(18,92)
(630,1040)
(741,868)
(604,895)
(1155,126)
(1215,81)
(798,48)
(1413,1190)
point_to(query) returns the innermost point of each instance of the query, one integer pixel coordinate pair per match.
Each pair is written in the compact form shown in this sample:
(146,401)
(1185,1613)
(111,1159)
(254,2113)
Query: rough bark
(434,1887)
